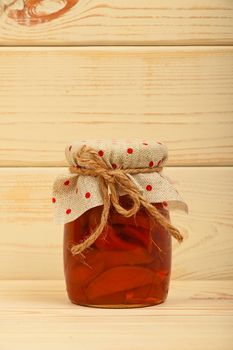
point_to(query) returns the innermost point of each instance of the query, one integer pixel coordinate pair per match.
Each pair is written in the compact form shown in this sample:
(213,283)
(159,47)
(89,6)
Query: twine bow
(90,163)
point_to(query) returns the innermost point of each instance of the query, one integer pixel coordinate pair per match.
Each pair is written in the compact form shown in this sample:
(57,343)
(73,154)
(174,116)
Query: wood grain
(117,22)
(198,314)
(51,96)
(31,244)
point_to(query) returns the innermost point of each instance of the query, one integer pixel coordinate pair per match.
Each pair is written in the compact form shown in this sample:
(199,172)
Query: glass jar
(127,266)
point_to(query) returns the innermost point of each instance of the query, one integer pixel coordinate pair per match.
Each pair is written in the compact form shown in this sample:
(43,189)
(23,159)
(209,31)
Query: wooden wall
(117,69)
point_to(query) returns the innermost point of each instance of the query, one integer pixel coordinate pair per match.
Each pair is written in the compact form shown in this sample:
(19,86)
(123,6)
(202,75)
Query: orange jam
(127,266)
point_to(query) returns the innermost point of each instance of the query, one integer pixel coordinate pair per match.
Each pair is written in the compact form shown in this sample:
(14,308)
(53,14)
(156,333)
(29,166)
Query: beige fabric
(74,194)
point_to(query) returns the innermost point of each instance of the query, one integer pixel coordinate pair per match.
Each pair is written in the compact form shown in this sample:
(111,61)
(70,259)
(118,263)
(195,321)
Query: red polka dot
(68,211)
(114,165)
(87,195)
(70,148)
(130,150)
(159,162)
(101,153)
(54,200)
(165,204)
(144,143)
(148,187)
(67,182)
(151,164)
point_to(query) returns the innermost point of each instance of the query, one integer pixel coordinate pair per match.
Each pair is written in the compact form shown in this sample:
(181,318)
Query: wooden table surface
(35,315)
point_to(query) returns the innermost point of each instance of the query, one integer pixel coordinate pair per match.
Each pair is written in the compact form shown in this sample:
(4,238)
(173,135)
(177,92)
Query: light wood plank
(197,314)
(185,298)
(51,96)
(31,244)
(117,22)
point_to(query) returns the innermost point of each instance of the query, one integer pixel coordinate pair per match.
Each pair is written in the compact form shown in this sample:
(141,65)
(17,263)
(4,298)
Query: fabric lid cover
(74,194)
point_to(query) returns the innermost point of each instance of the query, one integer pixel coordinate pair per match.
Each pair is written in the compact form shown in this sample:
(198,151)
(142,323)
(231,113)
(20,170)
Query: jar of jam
(113,259)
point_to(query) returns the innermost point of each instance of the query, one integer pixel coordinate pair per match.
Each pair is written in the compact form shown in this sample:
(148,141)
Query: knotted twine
(91,164)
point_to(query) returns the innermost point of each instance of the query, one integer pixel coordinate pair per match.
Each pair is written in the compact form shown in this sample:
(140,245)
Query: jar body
(129,264)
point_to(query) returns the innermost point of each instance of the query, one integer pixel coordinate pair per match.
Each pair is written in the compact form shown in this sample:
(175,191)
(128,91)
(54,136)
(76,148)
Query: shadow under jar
(128,265)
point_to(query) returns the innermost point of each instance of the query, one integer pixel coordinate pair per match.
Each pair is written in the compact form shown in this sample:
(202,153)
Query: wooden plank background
(151,69)
(31,244)
(177,86)
(50,96)
(197,314)
(117,22)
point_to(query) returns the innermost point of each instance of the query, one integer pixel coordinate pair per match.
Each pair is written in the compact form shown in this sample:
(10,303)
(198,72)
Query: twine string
(91,164)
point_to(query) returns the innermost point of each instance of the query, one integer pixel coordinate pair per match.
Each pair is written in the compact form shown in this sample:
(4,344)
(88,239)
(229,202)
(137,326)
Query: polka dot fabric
(74,194)
(123,153)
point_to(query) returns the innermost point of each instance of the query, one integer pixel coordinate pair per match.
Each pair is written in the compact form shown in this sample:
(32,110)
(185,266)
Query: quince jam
(127,266)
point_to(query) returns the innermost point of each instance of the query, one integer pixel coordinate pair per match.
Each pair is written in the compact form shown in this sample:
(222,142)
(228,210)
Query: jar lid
(122,153)
(74,194)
